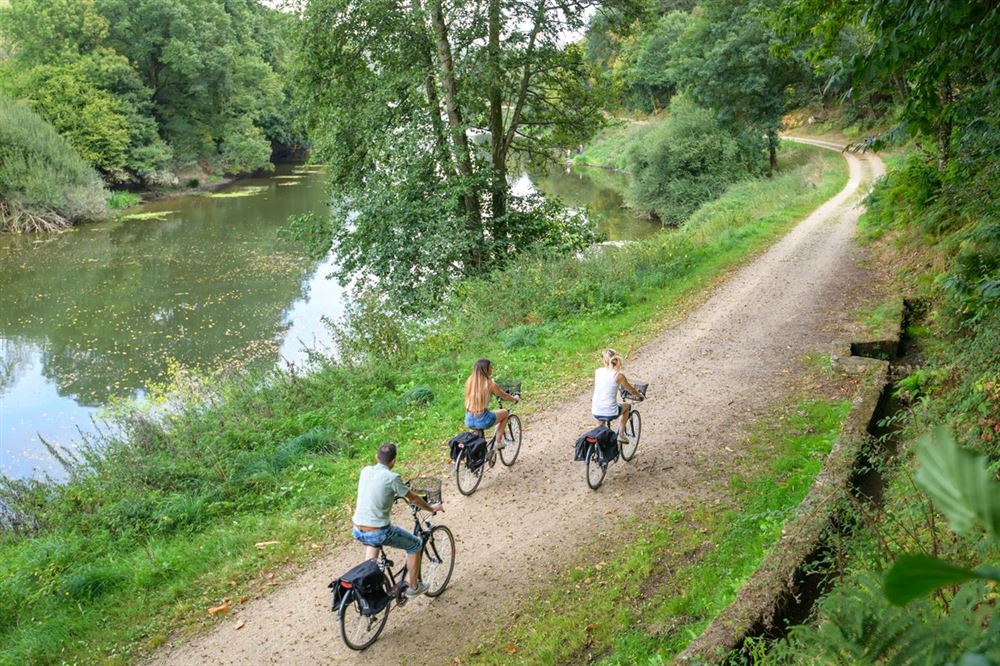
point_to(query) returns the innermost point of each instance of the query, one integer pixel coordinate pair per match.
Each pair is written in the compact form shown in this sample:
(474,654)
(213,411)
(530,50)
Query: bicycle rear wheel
(466,479)
(360,631)
(438,560)
(633,429)
(512,440)
(595,469)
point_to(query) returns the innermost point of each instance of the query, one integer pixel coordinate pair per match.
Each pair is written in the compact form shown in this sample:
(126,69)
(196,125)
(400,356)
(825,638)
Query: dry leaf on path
(221,608)
(240,624)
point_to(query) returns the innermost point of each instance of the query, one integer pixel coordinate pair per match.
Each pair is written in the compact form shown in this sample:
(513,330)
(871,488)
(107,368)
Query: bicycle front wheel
(595,469)
(438,560)
(511,440)
(633,429)
(466,479)
(360,631)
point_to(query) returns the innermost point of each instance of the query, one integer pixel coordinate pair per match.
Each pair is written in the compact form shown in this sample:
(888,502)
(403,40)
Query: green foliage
(959,482)
(857,625)
(938,59)
(121,200)
(43,182)
(915,576)
(422,199)
(176,499)
(686,160)
(140,86)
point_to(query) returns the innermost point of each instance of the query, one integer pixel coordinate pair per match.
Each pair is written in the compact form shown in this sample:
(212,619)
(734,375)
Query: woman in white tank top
(605,403)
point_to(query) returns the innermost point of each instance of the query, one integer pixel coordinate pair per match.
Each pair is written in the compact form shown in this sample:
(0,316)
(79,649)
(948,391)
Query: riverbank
(164,525)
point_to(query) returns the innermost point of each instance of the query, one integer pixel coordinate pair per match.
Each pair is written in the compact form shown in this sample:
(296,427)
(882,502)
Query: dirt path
(708,375)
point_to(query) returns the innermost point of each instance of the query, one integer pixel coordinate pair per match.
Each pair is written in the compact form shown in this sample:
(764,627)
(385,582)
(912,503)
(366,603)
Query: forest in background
(145,90)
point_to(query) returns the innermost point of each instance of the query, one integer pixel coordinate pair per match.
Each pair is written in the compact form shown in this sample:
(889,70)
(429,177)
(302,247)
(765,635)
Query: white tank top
(605,401)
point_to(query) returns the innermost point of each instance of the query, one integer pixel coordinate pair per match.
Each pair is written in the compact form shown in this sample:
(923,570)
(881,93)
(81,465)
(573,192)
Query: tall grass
(158,518)
(44,184)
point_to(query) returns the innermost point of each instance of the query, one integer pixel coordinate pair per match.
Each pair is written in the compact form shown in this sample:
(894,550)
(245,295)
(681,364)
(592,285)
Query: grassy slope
(611,147)
(647,599)
(117,573)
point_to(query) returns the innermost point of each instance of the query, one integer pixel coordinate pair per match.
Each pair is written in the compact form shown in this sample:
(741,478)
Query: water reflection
(102,311)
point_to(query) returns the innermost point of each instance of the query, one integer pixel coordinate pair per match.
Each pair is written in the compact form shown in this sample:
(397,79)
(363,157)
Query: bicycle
(468,479)
(595,468)
(437,563)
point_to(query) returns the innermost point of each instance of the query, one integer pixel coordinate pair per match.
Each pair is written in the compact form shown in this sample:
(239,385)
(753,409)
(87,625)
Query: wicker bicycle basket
(428,487)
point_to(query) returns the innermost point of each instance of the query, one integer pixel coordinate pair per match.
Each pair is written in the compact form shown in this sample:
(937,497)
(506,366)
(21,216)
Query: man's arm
(419,502)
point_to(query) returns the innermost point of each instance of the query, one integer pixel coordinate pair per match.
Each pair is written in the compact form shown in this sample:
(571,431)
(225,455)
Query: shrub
(686,160)
(122,200)
(44,184)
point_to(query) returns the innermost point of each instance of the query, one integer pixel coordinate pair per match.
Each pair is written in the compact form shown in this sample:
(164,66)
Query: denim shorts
(481,422)
(609,418)
(391,536)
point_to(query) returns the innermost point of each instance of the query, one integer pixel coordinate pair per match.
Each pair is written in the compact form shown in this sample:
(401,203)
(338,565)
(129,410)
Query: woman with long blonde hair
(604,405)
(479,388)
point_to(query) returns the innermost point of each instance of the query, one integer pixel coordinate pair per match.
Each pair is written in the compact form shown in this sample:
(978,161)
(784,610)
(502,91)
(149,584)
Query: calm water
(104,310)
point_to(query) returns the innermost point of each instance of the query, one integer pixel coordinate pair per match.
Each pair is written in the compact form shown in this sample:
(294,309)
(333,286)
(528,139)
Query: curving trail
(709,375)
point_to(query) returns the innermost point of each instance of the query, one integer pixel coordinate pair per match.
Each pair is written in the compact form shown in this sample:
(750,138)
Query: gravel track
(710,375)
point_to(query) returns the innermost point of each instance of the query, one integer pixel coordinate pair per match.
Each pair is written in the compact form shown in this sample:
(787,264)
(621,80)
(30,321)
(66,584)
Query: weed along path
(709,376)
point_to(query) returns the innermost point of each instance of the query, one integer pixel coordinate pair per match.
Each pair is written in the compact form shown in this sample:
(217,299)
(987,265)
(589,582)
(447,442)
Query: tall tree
(420,109)
(728,60)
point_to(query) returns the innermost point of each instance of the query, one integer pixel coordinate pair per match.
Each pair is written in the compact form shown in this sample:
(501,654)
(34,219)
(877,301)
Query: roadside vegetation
(644,600)
(157,524)
(44,184)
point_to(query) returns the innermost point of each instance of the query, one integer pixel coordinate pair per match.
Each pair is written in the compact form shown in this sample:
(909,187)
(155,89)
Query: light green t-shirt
(378,487)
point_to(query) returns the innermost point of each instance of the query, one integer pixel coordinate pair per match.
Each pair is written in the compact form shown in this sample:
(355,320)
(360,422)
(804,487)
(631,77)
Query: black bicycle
(596,465)
(360,630)
(468,477)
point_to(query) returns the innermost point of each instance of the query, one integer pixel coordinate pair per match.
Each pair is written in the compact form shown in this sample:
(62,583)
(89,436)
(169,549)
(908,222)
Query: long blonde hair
(478,387)
(612,361)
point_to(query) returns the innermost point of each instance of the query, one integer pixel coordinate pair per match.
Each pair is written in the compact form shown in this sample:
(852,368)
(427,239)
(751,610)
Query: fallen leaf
(245,598)
(232,583)
(511,649)
(221,608)
(264,544)
(591,626)
(240,624)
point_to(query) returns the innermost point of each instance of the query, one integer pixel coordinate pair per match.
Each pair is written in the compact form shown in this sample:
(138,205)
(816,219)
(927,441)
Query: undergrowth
(160,514)
(941,232)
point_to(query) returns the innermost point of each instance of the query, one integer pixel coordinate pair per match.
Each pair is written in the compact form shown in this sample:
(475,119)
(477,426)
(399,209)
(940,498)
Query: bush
(44,183)
(122,200)
(686,160)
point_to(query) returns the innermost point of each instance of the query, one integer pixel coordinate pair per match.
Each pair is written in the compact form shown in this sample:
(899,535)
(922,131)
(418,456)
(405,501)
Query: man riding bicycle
(378,488)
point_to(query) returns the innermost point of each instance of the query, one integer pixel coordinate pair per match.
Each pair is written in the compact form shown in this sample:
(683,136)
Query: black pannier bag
(368,583)
(472,442)
(607,444)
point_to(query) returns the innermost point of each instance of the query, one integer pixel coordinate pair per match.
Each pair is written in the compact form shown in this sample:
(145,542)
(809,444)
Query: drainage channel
(820,570)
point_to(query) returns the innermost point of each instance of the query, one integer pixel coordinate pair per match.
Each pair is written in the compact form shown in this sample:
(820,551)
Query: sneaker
(413,592)
(501,444)
(623,439)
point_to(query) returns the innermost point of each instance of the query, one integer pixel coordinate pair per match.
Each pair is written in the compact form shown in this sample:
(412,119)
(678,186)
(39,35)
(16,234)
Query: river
(104,311)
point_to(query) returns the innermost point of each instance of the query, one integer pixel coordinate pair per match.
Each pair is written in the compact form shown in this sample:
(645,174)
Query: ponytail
(612,361)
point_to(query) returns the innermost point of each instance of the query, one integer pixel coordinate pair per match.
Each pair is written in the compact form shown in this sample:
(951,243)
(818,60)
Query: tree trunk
(433,101)
(498,155)
(944,124)
(772,150)
(446,68)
